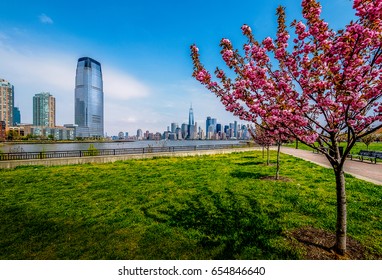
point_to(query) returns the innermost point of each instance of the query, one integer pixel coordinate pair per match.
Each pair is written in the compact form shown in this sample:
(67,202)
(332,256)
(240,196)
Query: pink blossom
(226,42)
(203,76)
(227,55)
(246,29)
(268,44)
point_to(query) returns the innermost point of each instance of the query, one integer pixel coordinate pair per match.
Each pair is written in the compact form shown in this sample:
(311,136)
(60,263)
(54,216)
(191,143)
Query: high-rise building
(184,130)
(208,123)
(191,124)
(16,116)
(6,102)
(191,116)
(214,123)
(173,127)
(88,112)
(178,133)
(44,110)
(139,134)
(218,128)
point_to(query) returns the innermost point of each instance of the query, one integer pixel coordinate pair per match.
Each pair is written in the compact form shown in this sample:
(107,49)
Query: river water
(13,147)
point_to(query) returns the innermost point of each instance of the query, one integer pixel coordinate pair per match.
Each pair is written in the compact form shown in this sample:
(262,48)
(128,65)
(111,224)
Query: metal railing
(110,152)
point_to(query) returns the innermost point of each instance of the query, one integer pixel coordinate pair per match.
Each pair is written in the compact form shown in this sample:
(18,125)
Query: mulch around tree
(317,245)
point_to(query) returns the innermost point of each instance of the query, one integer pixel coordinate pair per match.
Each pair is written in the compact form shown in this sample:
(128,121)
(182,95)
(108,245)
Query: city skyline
(143,49)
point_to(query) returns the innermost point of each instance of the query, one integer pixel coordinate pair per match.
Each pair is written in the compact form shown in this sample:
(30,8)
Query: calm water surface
(9,148)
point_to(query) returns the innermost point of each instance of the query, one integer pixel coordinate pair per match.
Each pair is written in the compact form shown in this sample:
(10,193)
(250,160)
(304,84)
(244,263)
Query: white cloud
(45,19)
(119,85)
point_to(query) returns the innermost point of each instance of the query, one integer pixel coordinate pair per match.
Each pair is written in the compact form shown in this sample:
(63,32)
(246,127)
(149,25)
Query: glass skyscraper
(88,111)
(191,116)
(16,116)
(191,124)
(44,110)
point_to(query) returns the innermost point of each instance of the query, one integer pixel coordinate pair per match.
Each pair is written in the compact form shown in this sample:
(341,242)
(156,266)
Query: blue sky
(143,47)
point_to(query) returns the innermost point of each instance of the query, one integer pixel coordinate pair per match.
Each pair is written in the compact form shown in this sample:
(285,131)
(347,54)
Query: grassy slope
(211,207)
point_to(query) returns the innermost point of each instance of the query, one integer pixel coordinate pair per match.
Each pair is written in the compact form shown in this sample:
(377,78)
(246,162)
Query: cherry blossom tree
(266,137)
(316,85)
(262,138)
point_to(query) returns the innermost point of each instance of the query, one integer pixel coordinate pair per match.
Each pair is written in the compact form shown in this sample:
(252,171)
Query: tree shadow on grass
(249,163)
(33,235)
(246,175)
(232,226)
(24,235)
(251,157)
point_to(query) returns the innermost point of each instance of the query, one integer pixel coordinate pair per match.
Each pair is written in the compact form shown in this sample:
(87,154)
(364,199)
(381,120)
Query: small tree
(266,137)
(368,139)
(262,138)
(326,85)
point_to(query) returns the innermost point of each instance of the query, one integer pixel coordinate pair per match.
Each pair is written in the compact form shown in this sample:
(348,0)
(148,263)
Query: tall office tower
(208,123)
(226,129)
(214,123)
(178,133)
(184,129)
(210,132)
(6,102)
(139,134)
(44,110)
(235,129)
(218,128)
(173,127)
(88,111)
(191,124)
(191,116)
(16,116)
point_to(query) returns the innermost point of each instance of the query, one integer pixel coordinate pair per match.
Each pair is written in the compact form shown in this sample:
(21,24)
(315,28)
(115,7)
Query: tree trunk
(263,152)
(297,144)
(278,161)
(268,155)
(340,246)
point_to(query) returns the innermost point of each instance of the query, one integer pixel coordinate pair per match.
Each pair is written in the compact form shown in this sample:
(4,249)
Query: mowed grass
(207,207)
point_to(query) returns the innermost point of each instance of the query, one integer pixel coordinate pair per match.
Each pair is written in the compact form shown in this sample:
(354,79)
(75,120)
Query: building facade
(46,132)
(6,102)
(88,111)
(44,110)
(2,131)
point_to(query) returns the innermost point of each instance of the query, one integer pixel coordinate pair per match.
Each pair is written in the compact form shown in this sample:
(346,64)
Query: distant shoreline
(106,141)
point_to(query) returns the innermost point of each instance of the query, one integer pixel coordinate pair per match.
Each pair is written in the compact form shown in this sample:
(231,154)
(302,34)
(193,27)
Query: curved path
(365,170)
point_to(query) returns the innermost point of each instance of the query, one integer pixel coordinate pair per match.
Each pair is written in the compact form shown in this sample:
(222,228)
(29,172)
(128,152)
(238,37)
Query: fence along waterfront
(110,152)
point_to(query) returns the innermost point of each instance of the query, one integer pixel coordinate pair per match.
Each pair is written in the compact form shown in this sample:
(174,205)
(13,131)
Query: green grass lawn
(208,207)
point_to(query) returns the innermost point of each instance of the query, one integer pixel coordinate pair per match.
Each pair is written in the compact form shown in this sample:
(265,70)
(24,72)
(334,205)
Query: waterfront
(21,147)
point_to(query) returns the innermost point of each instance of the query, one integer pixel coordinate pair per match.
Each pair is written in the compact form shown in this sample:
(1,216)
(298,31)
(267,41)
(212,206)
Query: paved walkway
(363,170)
